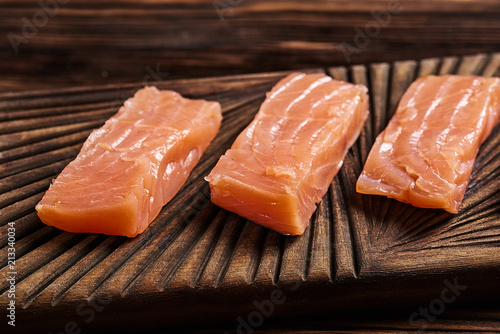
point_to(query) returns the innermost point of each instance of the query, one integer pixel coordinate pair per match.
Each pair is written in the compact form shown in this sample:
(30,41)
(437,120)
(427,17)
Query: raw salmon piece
(132,166)
(425,155)
(282,164)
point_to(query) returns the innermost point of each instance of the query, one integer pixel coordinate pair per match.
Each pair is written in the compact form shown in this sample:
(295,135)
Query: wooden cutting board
(197,263)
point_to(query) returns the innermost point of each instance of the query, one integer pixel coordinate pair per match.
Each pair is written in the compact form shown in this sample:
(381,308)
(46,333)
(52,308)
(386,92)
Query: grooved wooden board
(197,262)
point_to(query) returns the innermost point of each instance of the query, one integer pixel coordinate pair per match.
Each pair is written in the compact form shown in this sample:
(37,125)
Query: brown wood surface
(198,263)
(104,42)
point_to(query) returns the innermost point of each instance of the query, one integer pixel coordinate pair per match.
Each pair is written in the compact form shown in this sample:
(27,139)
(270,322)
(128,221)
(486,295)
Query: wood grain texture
(197,261)
(105,42)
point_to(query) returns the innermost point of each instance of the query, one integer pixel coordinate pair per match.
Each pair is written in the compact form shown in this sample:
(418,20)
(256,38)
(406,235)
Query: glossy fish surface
(426,153)
(128,169)
(282,164)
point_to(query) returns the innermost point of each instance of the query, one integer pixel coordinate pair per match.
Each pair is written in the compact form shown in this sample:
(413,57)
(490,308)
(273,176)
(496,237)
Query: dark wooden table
(81,43)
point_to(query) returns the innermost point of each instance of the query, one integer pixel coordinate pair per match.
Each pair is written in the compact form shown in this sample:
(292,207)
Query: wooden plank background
(81,42)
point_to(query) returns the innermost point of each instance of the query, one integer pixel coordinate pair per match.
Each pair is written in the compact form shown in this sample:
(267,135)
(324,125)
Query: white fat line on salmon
(278,91)
(308,91)
(372,29)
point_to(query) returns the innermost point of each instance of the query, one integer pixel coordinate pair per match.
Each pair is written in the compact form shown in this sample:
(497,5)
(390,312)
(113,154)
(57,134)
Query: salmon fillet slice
(426,153)
(282,164)
(132,166)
